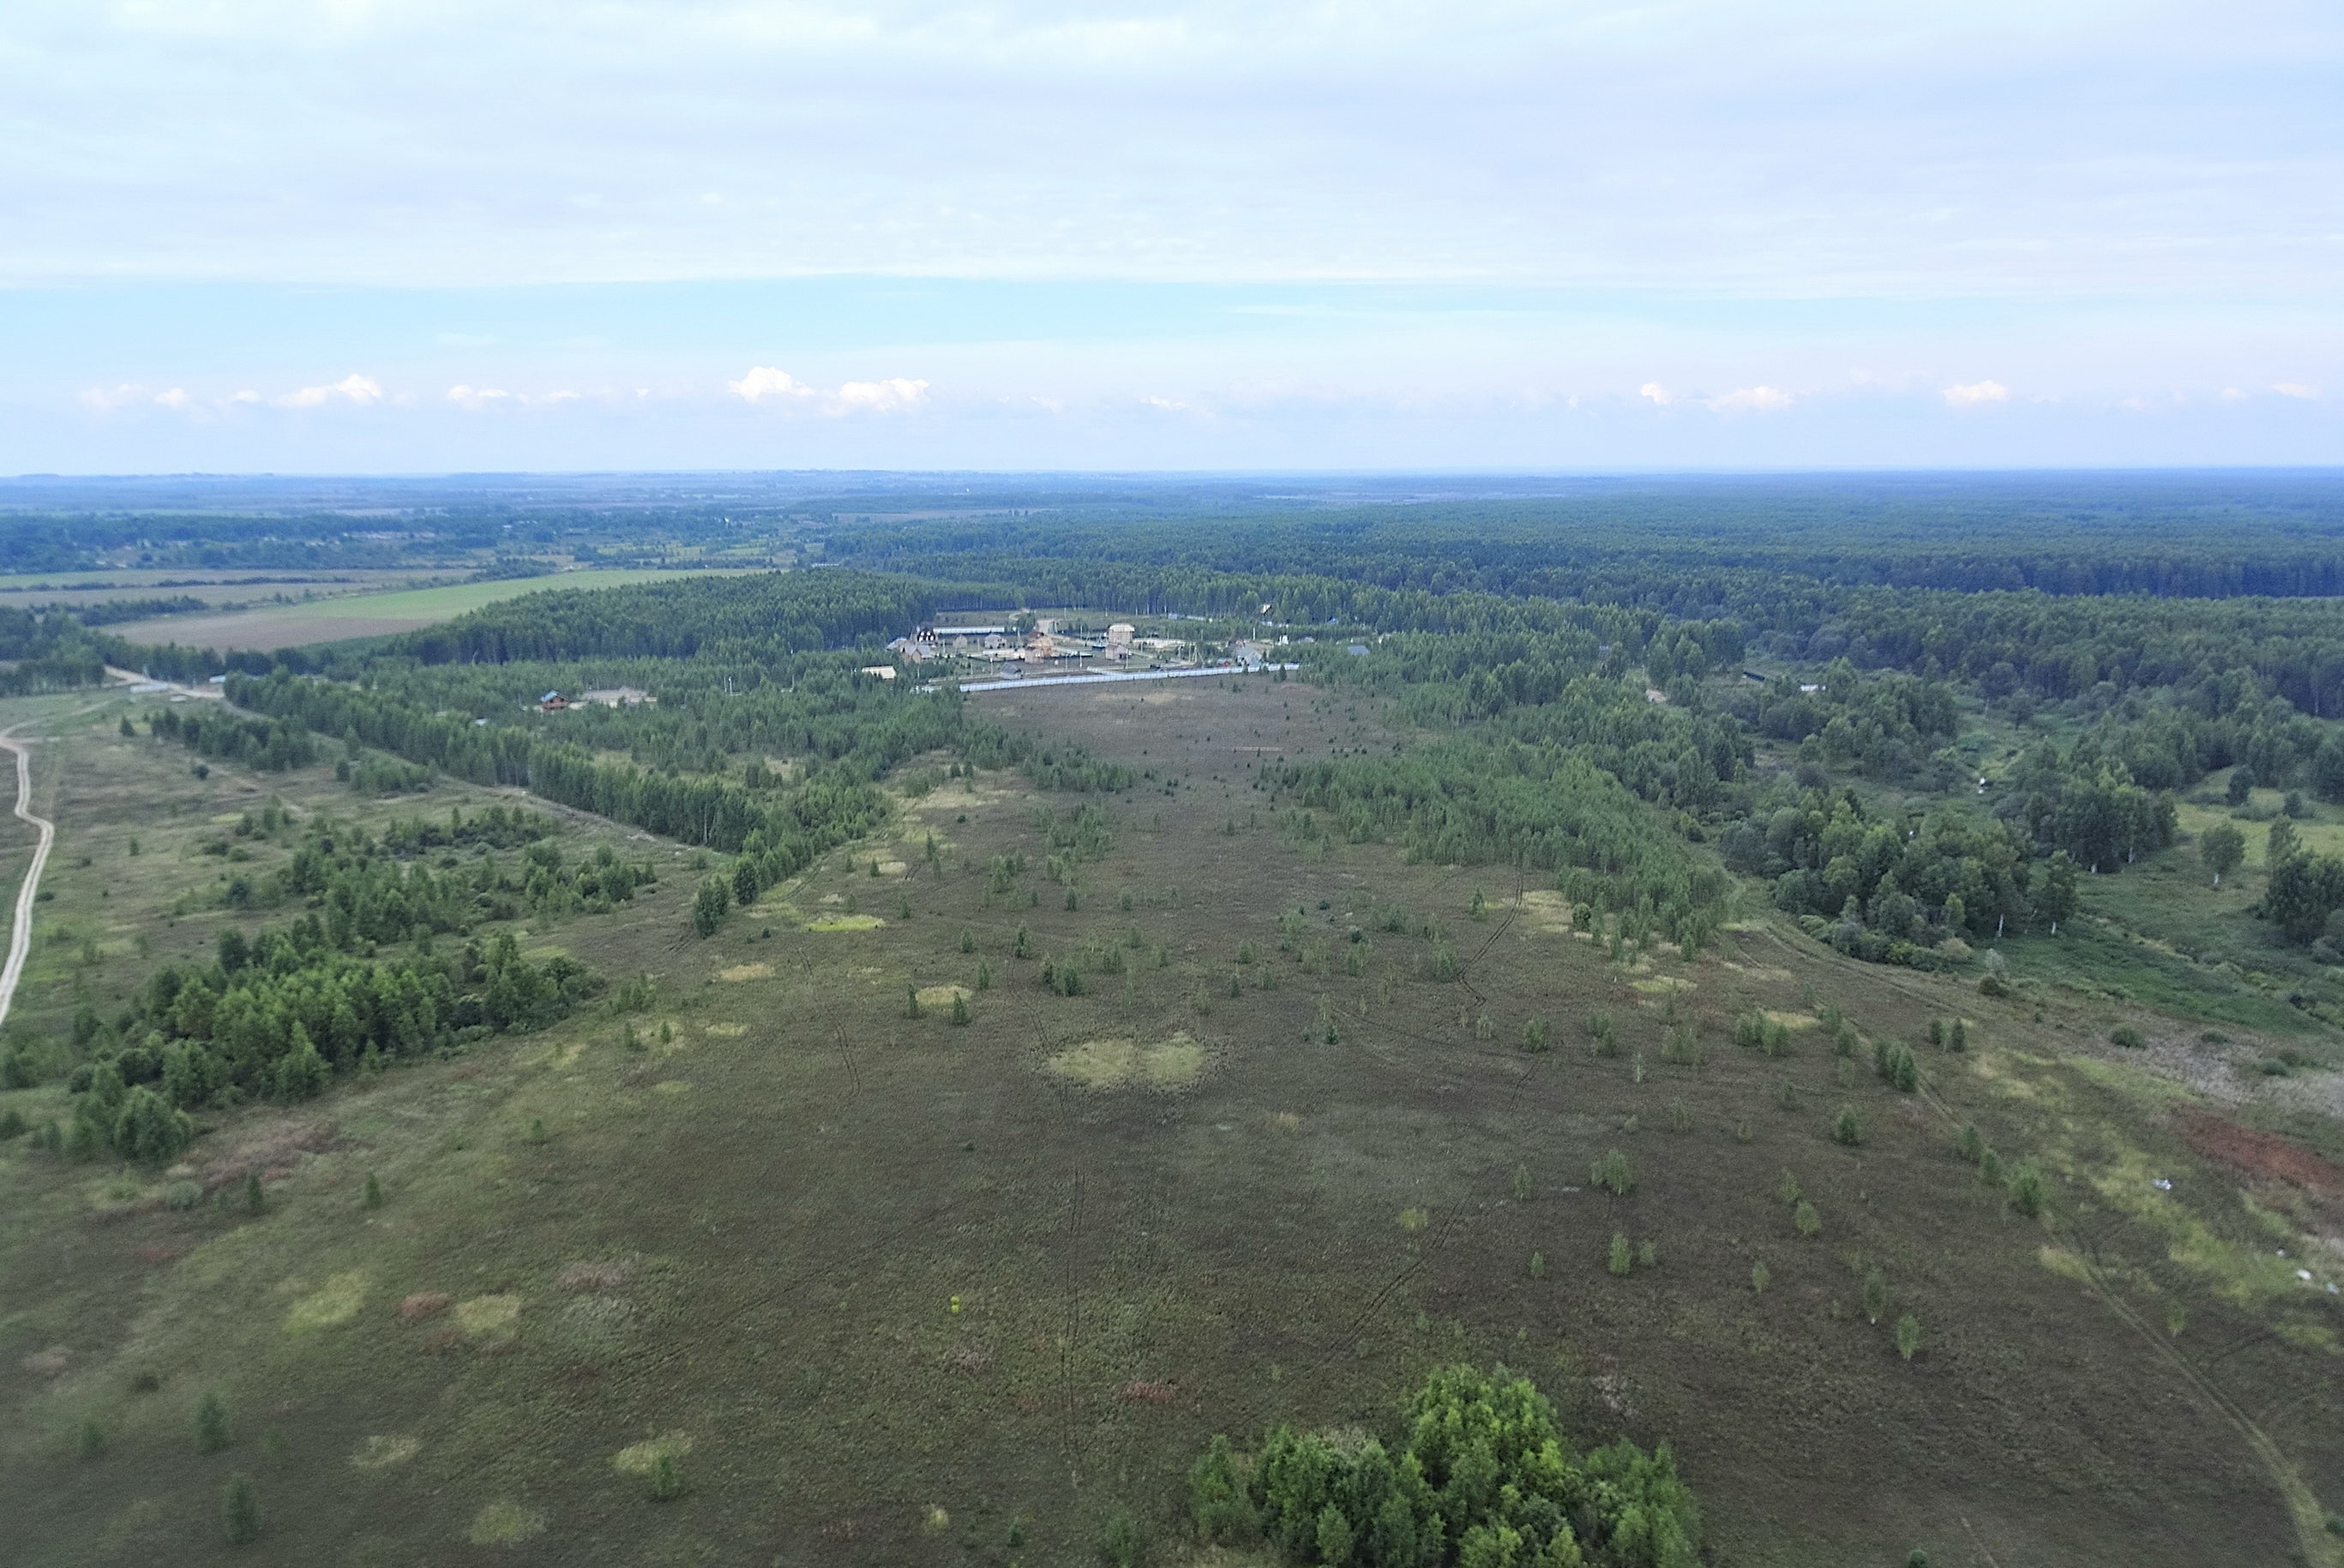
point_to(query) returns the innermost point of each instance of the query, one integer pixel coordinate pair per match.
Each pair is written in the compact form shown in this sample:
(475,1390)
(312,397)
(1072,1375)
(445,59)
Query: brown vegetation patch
(2258,1154)
(48,1363)
(158,1253)
(1141,1391)
(273,1151)
(423,1304)
(610,1276)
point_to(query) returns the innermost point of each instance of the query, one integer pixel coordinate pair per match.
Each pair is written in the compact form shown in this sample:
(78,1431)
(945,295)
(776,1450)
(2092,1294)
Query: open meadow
(364,614)
(873,1245)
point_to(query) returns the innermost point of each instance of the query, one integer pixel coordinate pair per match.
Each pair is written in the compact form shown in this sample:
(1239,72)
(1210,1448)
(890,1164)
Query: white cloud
(764,381)
(177,397)
(106,399)
(476,397)
(877,396)
(1976,394)
(2233,395)
(1752,399)
(2296,390)
(1657,393)
(1170,405)
(363,390)
(765,384)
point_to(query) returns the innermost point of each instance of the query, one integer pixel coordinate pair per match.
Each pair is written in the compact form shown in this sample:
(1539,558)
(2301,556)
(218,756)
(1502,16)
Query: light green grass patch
(505,1524)
(2064,1263)
(382,1453)
(943,996)
(845,923)
(726,1031)
(642,1458)
(671,1087)
(336,1302)
(740,973)
(483,1317)
(1114,1064)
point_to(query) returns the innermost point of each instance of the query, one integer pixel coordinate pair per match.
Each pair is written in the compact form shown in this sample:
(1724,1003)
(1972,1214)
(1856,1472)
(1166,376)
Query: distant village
(1044,646)
(1041,647)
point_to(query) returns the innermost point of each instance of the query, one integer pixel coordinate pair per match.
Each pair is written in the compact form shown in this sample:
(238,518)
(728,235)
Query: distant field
(232,587)
(362,614)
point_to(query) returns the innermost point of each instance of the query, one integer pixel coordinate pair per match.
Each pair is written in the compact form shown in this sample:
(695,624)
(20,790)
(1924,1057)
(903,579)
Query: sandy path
(20,934)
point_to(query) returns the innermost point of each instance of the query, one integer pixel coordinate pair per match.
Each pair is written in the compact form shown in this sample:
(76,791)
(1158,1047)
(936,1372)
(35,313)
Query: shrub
(1119,1540)
(1523,1188)
(1786,1188)
(1219,1499)
(714,897)
(984,975)
(1971,1145)
(1759,1276)
(1600,1030)
(91,1444)
(667,1482)
(1647,1255)
(910,1001)
(1805,1218)
(1620,1260)
(1990,1169)
(2026,1190)
(12,1124)
(211,1422)
(1534,1033)
(2126,1035)
(1610,1173)
(1875,1294)
(240,1510)
(1846,1130)
(959,1009)
(373,1190)
(1538,1265)
(1909,1335)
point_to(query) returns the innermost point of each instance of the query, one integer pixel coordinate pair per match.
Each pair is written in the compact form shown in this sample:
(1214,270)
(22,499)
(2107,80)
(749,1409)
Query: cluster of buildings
(609,697)
(1045,644)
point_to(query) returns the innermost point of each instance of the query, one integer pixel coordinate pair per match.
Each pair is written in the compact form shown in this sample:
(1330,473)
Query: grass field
(226,587)
(889,1290)
(361,615)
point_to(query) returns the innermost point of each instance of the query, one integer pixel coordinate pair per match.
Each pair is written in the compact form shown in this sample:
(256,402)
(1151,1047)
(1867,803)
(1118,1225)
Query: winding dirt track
(20,931)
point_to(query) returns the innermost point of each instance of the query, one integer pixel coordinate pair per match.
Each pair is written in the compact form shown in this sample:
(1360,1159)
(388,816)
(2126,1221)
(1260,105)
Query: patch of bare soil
(2262,1154)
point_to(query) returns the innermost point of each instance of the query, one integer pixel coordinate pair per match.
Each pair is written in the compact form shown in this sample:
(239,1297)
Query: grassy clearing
(854,1272)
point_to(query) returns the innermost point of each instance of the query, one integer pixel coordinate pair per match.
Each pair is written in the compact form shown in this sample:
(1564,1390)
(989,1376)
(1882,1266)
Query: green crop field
(366,614)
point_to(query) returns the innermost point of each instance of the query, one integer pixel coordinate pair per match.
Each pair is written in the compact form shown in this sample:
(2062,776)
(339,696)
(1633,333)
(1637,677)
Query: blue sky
(409,234)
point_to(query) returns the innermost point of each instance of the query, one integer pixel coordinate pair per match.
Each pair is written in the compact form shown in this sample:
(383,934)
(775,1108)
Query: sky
(419,236)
